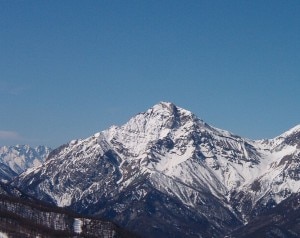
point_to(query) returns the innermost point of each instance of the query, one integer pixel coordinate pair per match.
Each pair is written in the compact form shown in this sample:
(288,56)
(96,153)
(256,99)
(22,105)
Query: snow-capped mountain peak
(156,123)
(294,130)
(166,156)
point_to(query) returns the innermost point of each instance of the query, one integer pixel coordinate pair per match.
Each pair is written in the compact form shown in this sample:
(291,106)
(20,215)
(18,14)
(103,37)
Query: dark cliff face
(6,173)
(154,213)
(278,221)
(293,139)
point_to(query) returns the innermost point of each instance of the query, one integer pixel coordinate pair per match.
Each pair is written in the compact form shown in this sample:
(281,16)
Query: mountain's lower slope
(16,159)
(21,217)
(281,221)
(168,173)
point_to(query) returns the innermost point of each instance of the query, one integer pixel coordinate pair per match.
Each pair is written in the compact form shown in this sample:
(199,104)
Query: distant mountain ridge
(16,159)
(167,173)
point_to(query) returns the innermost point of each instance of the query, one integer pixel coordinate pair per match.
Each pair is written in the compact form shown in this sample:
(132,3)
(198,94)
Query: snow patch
(77,225)
(3,235)
(64,200)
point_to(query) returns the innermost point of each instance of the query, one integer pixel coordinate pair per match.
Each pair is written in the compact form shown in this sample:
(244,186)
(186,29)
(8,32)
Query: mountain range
(16,159)
(167,173)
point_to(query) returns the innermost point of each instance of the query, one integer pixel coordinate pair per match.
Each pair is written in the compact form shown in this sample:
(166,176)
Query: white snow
(3,235)
(64,200)
(77,225)
(290,131)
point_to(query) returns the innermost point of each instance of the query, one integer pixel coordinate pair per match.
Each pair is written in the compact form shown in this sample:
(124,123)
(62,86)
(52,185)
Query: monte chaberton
(167,173)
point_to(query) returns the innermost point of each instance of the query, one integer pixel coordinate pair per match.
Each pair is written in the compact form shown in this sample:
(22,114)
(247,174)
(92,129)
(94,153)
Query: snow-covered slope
(169,169)
(16,159)
(280,176)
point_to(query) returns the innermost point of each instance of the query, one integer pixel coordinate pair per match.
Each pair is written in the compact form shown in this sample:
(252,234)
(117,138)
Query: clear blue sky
(69,69)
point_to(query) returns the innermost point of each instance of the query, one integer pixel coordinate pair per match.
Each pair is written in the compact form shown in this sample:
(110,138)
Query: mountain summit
(166,173)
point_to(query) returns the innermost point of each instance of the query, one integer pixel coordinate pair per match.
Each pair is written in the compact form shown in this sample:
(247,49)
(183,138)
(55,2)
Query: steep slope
(168,173)
(16,159)
(280,179)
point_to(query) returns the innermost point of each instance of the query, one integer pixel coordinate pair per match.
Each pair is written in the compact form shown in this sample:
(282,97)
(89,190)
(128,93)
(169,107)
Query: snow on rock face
(169,152)
(156,123)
